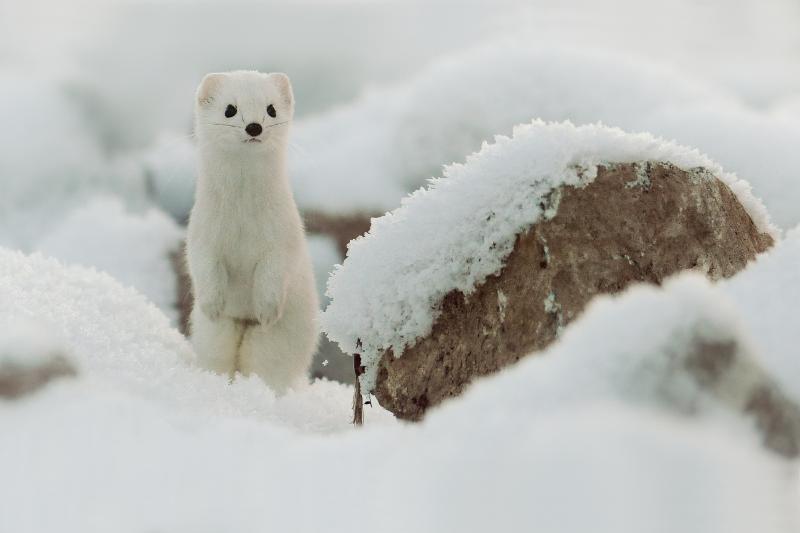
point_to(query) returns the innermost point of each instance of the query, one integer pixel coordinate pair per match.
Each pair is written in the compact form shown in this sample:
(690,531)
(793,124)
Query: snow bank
(25,343)
(324,256)
(401,134)
(58,154)
(122,342)
(145,441)
(459,230)
(134,248)
(51,159)
(170,170)
(595,435)
(123,467)
(760,147)
(766,295)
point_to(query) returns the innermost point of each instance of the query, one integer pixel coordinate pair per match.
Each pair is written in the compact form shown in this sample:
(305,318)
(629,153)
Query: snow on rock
(120,341)
(460,229)
(133,248)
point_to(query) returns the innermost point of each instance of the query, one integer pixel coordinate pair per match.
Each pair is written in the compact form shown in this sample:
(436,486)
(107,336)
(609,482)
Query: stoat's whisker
(277,124)
(237,127)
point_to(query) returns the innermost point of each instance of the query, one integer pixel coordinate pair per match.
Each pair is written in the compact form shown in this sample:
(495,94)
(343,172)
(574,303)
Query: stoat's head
(243,111)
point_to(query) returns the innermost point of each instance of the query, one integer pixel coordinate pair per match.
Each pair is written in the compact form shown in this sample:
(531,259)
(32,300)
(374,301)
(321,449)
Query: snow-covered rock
(452,235)
(633,223)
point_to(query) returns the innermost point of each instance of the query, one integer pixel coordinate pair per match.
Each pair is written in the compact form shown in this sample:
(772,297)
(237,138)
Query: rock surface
(638,222)
(18,380)
(727,373)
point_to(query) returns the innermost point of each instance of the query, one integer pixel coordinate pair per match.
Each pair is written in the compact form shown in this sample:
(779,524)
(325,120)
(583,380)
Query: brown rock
(341,228)
(17,380)
(633,223)
(723,370)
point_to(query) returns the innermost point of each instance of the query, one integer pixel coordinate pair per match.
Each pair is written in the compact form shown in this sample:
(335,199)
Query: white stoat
(255,300)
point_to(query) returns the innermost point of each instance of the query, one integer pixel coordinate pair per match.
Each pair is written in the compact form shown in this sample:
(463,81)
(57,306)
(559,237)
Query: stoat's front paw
(212,307)
(268,312)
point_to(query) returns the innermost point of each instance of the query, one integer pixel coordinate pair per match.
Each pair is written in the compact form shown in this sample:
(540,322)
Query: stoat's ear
(284,86)
(208,87)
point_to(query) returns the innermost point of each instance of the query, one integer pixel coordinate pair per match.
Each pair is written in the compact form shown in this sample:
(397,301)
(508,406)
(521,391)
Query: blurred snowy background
(96,169)
(96,155)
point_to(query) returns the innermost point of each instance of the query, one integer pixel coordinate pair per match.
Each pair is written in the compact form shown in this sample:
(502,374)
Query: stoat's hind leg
(216,342)
(277,354)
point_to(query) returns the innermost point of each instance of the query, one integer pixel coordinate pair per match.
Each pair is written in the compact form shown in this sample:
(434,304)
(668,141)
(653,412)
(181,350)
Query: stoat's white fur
(255,299)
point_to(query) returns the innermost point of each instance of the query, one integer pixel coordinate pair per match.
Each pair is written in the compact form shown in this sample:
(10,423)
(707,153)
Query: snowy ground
(96,171)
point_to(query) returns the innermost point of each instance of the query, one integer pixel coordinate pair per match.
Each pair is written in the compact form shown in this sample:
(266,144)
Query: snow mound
(51,159)
(602,433)
(140,428)
(459,230)
(402,134)
(766,295)
(122,342)
(133,248)
(170,169)
(26,343)
(247,478)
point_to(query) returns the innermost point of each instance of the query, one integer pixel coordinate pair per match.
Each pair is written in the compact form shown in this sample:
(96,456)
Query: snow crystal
(459,230)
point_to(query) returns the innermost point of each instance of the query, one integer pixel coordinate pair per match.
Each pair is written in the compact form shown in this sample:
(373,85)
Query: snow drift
(145,441)
(119,341)
(402,134)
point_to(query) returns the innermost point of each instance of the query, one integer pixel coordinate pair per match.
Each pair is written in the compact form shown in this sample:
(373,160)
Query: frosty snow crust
(457,231)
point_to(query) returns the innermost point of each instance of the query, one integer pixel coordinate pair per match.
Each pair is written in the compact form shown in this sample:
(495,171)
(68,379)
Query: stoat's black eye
(271,111)
(230,111)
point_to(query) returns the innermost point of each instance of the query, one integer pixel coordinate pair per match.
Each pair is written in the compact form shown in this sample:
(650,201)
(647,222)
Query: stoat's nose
(253,129)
